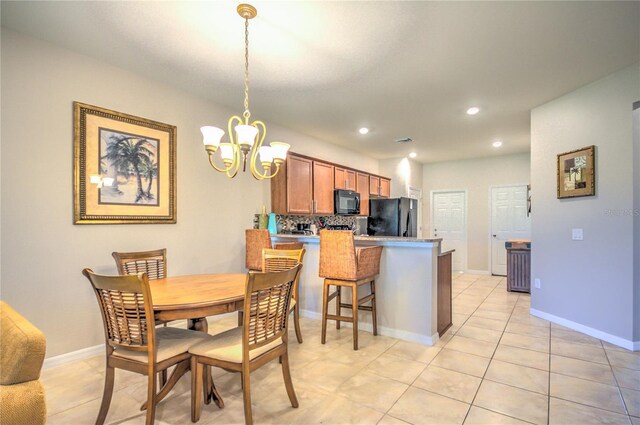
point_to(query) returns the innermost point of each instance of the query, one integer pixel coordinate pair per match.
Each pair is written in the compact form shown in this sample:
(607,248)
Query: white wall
(43,253)
(476,176)
(587,282)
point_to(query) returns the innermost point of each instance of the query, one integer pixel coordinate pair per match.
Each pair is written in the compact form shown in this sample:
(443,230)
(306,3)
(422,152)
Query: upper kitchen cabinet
(385,188)
(379,187)
(323,184)
(305,185)
(345,179)
(362,187)
(292,187)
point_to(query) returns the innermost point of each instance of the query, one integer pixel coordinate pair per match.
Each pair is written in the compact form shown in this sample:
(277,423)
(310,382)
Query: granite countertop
(363,238)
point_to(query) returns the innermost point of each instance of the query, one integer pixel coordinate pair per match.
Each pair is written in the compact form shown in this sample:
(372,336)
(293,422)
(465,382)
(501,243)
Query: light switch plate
(577,234)
(536,283)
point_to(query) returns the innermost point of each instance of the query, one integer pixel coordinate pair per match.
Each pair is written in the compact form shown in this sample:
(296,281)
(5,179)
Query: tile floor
(497,365)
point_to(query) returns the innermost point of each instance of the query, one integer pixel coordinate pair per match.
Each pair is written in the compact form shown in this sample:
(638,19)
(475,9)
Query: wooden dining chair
(154,263)
(133,343)
(276,260)
(255,241)
(261,338)
(344,265)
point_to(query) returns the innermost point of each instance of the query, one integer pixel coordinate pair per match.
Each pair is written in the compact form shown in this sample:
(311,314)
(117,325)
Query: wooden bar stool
(255,241)
(341,264)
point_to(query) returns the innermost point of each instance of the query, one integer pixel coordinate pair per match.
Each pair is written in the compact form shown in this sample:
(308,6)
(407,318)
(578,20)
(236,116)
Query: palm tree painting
(132,161)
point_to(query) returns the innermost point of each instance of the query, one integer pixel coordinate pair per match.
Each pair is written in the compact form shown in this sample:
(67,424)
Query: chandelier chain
(246,113)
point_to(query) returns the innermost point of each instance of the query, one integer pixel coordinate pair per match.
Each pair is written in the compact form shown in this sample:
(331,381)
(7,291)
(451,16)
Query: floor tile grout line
(624,403)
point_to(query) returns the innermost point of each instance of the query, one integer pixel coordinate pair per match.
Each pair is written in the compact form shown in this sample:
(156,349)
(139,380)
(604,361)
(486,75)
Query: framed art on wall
(576,173)
(124,168)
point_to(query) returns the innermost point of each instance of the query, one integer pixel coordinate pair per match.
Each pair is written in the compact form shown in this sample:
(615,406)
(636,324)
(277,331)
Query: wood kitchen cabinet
(374,185)
(362,187)
(379,187)
(345,179)
(292,187)
(385,188)
(323,185)
(305,185)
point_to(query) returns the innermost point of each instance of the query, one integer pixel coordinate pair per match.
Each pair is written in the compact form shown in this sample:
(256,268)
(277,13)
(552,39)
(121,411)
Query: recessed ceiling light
(497,144)
(413,155)
(473,110)
(363,130)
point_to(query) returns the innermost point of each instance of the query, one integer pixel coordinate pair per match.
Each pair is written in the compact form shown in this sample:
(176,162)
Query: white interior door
(509,220)
(417,194)
(448,210)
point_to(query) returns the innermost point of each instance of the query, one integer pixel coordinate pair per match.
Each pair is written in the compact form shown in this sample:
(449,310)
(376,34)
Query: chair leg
(288,383)
(338,301)
(325,295)
(296,322)
(151,396)
(246,395)
(373,308)
(106,395)
(196,384)
(354,302)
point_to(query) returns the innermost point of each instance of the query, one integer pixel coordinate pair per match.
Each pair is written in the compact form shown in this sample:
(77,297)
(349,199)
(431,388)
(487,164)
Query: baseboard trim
(382,330)
(480,272)
(82,354)
(615,340)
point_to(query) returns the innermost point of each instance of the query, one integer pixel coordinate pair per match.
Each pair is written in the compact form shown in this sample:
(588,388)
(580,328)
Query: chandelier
(246,142)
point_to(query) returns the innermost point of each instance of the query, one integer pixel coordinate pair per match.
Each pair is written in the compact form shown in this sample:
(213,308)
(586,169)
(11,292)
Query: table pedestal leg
(210,392)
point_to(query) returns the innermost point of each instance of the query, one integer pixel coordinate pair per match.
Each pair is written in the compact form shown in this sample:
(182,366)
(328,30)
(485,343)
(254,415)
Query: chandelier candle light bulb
(247,139)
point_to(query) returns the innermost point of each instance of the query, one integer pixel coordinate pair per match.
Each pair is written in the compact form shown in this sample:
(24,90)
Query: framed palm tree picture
(576,173)
(124,168)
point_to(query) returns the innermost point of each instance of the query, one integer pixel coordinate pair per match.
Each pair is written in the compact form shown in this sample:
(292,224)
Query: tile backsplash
(287,223)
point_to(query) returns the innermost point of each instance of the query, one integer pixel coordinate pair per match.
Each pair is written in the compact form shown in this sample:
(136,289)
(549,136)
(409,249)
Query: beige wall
(43,253)
(595,274)
(476,176)
(404,173)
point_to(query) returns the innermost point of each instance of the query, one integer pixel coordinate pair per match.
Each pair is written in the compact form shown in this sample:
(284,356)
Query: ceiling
(325,69)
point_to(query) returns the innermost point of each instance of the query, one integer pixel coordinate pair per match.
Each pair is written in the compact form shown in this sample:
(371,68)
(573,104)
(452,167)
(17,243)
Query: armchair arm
(22,349)
(368,261)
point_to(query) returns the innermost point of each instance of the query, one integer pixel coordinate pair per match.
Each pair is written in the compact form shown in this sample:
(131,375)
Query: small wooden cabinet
(379,187)
(444,292)
(323,184)
(345,179)
(385,188)
(299,183)
(362,187)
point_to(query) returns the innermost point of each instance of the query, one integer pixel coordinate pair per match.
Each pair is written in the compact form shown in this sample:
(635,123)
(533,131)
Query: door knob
(495,236)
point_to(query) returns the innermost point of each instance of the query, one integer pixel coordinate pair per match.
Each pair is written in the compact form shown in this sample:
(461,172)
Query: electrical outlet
(577,234)
(536,283)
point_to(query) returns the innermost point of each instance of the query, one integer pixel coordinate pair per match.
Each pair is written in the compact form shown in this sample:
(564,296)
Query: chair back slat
(125,304)
(267,300)
(276,260)
(154,263)
(255,241)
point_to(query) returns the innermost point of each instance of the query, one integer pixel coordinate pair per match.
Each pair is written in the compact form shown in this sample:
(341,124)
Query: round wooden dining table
(194,297)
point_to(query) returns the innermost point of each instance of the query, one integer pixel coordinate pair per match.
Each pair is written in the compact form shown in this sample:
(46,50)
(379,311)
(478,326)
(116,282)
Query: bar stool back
(344,265)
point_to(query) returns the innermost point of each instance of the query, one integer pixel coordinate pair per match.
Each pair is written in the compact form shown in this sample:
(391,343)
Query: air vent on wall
(404,140)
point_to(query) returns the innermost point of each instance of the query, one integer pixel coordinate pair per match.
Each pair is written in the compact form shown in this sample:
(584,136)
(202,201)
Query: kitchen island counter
(406,288)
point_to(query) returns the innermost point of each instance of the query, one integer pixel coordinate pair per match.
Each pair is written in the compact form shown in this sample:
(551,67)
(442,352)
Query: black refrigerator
(393,217)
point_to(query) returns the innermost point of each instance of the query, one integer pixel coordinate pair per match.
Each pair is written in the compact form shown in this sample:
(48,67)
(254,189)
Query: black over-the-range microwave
(346,202)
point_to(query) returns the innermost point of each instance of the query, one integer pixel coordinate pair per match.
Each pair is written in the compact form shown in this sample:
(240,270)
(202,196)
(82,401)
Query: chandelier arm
(222,170)
(254,155)
(233,138)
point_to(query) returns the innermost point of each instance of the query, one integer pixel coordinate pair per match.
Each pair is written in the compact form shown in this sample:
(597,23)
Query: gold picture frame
(576,173)
(124,168)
